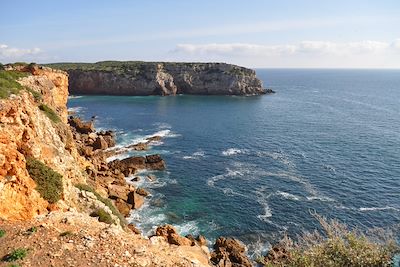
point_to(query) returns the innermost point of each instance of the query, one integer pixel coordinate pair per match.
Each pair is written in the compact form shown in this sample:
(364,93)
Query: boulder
(230,252)
(154,138)
(135,179)
(169,233)
(142,192)
(123,207)
(118,191)
(135,200)
(151,177)
(80,126)
(201,240)
(100,143)
(137,147)
(133,228)
(155,162)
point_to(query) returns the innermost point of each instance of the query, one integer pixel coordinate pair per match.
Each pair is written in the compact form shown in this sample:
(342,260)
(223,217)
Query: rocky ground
(76,239)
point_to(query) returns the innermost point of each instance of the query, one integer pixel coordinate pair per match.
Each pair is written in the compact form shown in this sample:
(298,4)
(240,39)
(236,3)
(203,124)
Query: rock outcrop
(27,131)
(230,252)
(160,78)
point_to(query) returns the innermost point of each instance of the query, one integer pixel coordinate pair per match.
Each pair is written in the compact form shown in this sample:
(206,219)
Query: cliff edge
(160,78)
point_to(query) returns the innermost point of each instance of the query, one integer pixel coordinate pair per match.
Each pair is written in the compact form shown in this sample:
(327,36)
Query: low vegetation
(49,113)
(106,201)
(66,233)
(336,246)
(16,254)
(31,230)
(2,233)
(48,182)
(9,84)
(103,216)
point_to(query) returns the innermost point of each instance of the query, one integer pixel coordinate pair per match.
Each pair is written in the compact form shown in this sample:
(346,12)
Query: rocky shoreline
(111,177)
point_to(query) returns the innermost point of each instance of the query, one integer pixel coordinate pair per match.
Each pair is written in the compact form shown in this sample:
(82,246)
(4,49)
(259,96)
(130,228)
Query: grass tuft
(50,113)
(103,216)
(2,233)
(9,84)
(16,254)
(106,201)
(66,233)
(48,182)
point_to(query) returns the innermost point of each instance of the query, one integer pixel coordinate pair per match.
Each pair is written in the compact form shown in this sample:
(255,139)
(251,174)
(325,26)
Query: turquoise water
(253,167)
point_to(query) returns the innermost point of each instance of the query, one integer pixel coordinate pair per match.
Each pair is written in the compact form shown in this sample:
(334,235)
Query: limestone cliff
(160,78)
(26,131)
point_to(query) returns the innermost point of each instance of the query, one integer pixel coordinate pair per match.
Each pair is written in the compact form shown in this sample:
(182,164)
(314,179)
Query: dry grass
(337,246)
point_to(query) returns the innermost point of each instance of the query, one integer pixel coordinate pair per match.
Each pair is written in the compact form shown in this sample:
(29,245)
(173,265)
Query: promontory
(160,78)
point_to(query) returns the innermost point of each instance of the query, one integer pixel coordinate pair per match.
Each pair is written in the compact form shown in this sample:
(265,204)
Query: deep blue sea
(328,142)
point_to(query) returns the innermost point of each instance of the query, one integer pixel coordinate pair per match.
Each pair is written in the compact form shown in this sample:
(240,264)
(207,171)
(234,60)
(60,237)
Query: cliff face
(157,78)
(26,131)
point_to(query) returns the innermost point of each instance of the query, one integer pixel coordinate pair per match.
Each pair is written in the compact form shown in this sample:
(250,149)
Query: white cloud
(12,53)
(305,47)
(315,54)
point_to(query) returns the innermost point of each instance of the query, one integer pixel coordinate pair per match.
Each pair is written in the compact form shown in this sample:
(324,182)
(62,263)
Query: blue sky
(253,33)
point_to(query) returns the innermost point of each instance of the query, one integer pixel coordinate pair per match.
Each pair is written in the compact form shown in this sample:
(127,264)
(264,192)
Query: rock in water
(230,252)
(171,235)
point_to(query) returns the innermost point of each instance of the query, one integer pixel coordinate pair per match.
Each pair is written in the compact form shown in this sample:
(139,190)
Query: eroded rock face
(230,252)
(163,78)
(26,131)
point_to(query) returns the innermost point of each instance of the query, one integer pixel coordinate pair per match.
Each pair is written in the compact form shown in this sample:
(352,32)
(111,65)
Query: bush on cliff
(106,201)
(48,182)
(49,113)
(336,246)
(103,216)
(9,84)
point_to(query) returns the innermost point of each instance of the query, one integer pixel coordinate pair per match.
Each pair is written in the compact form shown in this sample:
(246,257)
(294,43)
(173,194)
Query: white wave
(195,155)
(115,157)
(75,109)
(230,173)
(288,195)
(74,96)
(186,228)
(262,199)
(279,156)
(163,134)
(320,198)
(162,125)
(233,151)
(378,208)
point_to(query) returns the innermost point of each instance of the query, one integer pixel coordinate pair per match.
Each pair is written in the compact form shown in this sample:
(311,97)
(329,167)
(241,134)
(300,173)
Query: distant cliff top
(133,66)
(160,78)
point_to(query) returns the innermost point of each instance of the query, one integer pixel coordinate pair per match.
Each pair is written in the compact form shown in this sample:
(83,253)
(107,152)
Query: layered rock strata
(160,78)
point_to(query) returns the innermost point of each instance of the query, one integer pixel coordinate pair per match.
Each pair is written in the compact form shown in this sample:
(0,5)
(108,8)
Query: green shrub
(337,246)
(1,66)
(2,233)
(66,233)
(38,96)
(49,113)
(106,201)
(103,216)
(31,230)
(48,182)
(16,254)
(9,84)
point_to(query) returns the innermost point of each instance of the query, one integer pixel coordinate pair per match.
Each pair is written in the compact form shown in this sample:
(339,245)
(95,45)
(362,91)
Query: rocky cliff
(160,78)
(48,211)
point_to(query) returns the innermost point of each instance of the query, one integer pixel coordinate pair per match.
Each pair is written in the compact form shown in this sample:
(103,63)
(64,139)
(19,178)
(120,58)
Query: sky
(251,33)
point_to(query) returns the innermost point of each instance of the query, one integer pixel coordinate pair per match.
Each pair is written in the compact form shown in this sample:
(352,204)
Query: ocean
(327,142)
